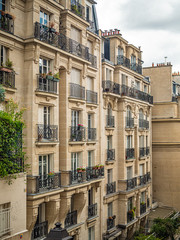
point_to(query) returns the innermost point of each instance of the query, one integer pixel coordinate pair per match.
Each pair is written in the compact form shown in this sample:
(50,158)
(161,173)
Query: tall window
(90,158)
(75,118)
(90,46)
(75,161)
(90,197)
(76,34)
(109,110)
(141,115)
(44,115)
(91,233)
(44,65)
(129,114)
(110,209)
(76,76)
(123,77)
(129,141)
(45,165)
(109,142)
(90,83)
(143,197)
(130,203)
(5,216)
(129,172)
(137,85)
(141,169)
(3,54)
(145,88)
(133,59)
(108,74)
(44,18)
(120,51)
(141,141)
(41,214)
(2,5)
(110,177)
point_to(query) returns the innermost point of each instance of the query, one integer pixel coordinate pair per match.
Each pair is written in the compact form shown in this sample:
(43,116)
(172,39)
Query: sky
(152,24)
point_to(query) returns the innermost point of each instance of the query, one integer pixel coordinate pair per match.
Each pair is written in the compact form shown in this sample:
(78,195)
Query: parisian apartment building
(88,123)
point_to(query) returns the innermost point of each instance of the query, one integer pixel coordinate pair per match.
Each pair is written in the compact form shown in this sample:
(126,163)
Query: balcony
(91,97)
(142,208)
(136,67)
(110,121)
(143,124)
(148,202)
(91,134)
(130,216)
(92,210)
(148,176)
(6,22)
(78,9)
(111,87)
(129,153)
(135,93)
(47,133)
(131,183)
(7,79)
(77,134)
(121,60)
(77,91)
(110,154)
(142,152)
(91,25)
(129,122)
(111,188)
(147,151)
(43,183)
(40,231)
(46,85)
(110,222)
(93,60)
(143,179)
(71,219)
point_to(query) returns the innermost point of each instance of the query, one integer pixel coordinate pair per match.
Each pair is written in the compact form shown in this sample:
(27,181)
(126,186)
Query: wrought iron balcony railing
(111,87)
(136,67)
(47,132)
(93,173)
(6,22)
(129,153)
(110,121)
(7,79)
(93,60)
(110,223)
(143,124)
(148,202)
(111,188)
(130,216)
(77,177)
(91,134)
(92,210)
(148,176)
(46,85)
(71,219)
(110,154)
(147,151)
(77,134)
(142,152)
(91,25)
(131,183)
(91,97)
(77,91)
(78,9)
(40,231)
(129,122)
(143,179)
(142,208)
(121,60)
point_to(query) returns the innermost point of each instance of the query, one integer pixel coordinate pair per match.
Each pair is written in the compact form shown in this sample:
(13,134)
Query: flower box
(5,69)
(49,77)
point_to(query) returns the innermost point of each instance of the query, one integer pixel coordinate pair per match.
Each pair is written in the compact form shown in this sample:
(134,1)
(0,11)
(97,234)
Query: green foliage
(11,151)
(9,64)
(2,94)
(164,228)
(144,237)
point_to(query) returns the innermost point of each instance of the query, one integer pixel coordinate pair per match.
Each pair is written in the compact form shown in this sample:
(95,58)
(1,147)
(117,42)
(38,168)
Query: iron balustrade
(144,124)
(93,173)
(143,179)
(110,223)
(59,40)
(78,133)
(111,87)
(121,60)
(47,132)
(6,22)
(130,216)
(91,134)
(110,121)
(40,230)
(110,154)
(174,99)
(129,153)
(142,152)
(131,183)
(142,208)
(111,188)
(136,67)
(129,122)
(77,177)
(148,176)
(91,97)
(71,219)
(92,210)
(77,91)
(46,182)
(91,25)
(46,85)
(147,151)
(78,9)
(7,79)
(148,202)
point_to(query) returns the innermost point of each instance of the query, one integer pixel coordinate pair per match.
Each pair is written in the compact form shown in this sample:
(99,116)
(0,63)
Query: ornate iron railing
(129,153)
(142,208)
(131,183)
(77,134)
(91,134)
(129,122)
(7,79)
(121,60)
(93,60)
(110,154)
(111,188)
(78,9)
(110,223)
(71,219)
(93,173)
(136,68)
(130,216)
(40,231)
(47,132)
(77,91)
(142,152)
(91,97)
(110,121)
(92,210)
(147,151)
(143,179)
(6,22)
(111,87)
(143,124)
(46,85)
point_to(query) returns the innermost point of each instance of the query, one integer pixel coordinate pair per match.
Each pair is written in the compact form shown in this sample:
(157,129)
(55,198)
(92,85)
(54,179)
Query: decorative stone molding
(36,54)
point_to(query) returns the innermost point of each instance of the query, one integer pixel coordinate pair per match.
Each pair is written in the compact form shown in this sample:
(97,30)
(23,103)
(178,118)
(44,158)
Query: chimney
(152,64)
(165,60)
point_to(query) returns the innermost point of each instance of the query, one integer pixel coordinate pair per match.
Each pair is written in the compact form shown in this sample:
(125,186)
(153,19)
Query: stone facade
(88,134)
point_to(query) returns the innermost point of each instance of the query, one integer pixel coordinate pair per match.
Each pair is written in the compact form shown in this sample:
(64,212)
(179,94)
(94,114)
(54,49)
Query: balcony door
(74,118)
(45,166)
(44,121)
(90,196)
(90,158)
(129,142)
(109,142)
(110,176)
(141,169)
(120,51)
(75,161)
(129,173)
(130,204)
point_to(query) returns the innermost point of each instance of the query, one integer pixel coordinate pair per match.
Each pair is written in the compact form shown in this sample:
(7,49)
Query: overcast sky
(154,25)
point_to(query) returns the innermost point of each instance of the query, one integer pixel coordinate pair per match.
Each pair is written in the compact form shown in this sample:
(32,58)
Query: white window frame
(44,18)
(5,219)
(44,65)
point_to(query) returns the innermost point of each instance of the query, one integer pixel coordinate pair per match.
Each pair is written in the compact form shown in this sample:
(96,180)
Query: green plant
(56,75)
(81,169)
(9,64)
(50,73)
(51,174)
(2,94)
(144,237)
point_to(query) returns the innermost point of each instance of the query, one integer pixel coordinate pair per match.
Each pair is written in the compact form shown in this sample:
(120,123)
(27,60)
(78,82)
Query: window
(76,34)
(3,54)
(129,172)
(75,118)
(109,142)
(2,5)
(76,76)
(75,160)
(146,141)
(90,158)
(123,77)
(44,115)
(45,165)
(44,18)
(5,216)
(133,59)
(41,214)
(109,110)
(130,203)
(120,51)
(110,209)
(89,83)
(143,194)
(87,13)
(129,114)
(90,46)
(129,141)
(108,74)
(137,85)
(141,115)
(90,196)
(141,141)
(145,88)
(141,169)
(109,173)
(44,65)
(91,233)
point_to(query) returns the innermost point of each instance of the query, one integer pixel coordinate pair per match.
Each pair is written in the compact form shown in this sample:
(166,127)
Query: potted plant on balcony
(8,66)
(142,203)
(10,15)
(81,169)
(56,77)
(49,76)
(80,126)
(51,174)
